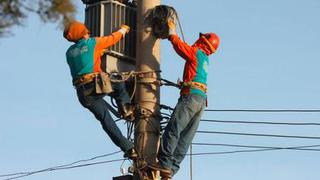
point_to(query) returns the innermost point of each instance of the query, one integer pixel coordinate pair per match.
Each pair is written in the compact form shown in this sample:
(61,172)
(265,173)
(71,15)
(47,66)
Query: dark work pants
(97,105)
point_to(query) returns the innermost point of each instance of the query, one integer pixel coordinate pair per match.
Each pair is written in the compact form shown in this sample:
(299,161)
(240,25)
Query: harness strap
(85,79)
(195,85)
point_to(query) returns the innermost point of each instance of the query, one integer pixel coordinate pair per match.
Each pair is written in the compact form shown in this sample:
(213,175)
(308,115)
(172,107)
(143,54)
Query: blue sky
(268,59)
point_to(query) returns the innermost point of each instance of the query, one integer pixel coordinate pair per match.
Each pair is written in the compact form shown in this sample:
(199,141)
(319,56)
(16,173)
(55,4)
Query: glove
(124,29)
(172,27)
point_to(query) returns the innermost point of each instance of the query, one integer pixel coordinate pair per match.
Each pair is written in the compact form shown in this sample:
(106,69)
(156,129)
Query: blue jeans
(180,131)
(97,105)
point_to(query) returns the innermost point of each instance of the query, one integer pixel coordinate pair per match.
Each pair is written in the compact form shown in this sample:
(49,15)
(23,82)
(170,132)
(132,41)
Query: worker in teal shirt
(84,60)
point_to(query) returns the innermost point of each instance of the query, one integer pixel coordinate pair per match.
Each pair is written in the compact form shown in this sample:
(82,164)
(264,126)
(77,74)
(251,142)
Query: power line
(257,110)
(233,152)
(68,166)
(266,110)
(62,166)
(302,148)
(260,110)
(261,122)
(251,150)
(254,134)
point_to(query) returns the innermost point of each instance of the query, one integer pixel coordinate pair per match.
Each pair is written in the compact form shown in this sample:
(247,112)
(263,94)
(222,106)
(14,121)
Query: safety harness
(192,84)
(87,78)
(101,80)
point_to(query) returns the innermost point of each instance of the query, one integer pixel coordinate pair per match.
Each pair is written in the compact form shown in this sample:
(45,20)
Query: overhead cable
(266,110)
(260,110)
(242,151)
(233,152)
(62,166)
(262,122)
(262,135)
(299,148)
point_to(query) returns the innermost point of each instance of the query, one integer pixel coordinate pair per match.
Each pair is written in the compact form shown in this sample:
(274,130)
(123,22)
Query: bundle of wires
(159,17)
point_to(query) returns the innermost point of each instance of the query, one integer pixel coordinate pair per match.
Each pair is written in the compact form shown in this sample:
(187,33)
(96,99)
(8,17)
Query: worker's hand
(172,27)
(124,29)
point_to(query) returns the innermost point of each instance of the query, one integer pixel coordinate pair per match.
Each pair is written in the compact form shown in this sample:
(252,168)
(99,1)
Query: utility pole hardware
(147,125)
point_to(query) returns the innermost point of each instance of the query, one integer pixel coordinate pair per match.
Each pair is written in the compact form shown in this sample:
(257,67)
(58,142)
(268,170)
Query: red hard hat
(75,31)
(212,40)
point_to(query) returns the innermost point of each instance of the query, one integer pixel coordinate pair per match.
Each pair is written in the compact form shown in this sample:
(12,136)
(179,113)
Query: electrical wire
(232,152)
(258,110)
(262,122)
(261,135)
(261,148)
(300,148)
(255,150)
(62,166)
(266,110)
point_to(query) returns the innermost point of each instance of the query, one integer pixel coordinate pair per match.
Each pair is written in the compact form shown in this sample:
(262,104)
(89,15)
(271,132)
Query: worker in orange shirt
(185,119)
(91,84)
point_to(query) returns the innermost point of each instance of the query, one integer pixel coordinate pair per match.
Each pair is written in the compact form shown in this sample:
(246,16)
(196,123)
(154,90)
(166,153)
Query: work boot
(126,112)
(131,154)
(165,173)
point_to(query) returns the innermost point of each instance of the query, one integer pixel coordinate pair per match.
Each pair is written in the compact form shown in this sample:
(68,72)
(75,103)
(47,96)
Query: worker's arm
(183,49)
(107,41)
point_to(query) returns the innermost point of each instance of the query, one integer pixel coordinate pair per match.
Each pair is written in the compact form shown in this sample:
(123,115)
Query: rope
(134,88)
(115,74)
(180,26)
(125,76)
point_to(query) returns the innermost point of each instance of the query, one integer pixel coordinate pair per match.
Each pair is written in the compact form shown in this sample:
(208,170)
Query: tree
(14,12)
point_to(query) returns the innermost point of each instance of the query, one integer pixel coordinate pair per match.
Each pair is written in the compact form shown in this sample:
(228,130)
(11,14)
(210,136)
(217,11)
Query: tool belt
(195,85)
(84,79)
(101,80)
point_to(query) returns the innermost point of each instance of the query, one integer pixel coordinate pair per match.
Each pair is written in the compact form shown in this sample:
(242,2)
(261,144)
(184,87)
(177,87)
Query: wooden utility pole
(147,125)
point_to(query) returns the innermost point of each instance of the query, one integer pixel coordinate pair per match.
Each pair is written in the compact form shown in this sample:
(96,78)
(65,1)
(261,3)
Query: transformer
(104,17)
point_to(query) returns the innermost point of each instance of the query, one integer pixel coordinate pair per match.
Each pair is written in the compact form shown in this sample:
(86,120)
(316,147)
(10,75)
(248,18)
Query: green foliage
(14,12)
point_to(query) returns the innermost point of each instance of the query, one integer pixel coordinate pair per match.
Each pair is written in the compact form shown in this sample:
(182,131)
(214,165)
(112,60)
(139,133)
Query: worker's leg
(98,107)
(180,119)
(122,98)
(188,134)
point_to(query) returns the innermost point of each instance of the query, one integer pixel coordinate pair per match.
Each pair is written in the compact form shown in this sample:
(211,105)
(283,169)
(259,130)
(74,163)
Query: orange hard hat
(75,31)
(211,39)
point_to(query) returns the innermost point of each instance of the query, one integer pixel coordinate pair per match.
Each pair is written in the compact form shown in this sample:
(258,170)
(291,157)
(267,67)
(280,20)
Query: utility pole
(147,125)
(101,18)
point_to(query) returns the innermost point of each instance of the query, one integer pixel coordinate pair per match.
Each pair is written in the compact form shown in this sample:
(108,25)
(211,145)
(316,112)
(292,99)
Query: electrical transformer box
(104,17)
